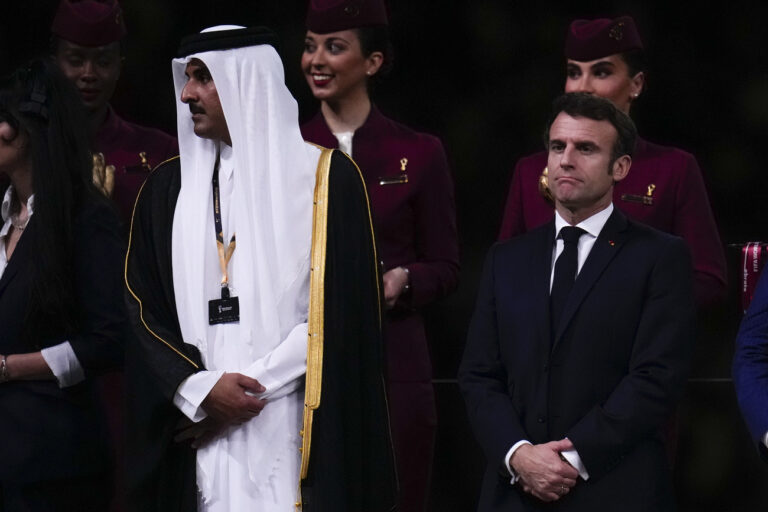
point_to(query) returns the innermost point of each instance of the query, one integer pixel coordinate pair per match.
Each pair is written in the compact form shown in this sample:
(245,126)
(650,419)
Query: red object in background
(753,257)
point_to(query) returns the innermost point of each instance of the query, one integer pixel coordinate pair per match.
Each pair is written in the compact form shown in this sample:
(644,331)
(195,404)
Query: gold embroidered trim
(313,387)
(128,285)
(158,165)
(373,239)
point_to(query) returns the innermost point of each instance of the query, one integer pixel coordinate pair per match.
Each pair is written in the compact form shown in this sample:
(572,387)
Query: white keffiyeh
(270,210)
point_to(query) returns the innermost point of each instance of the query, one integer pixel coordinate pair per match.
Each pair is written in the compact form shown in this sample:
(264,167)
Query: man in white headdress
(253,288)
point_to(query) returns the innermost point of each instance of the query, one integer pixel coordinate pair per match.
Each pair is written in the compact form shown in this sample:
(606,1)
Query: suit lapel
(19,257)
(607,245)
(542,274)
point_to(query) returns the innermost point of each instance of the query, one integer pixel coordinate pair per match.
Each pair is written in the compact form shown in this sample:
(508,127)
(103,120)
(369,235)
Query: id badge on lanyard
(227,308)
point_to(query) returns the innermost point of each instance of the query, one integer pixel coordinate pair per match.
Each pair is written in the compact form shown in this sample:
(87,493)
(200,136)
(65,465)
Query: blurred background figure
(664,189)
(87,44)
(411,191)
(750,367)
(61,300)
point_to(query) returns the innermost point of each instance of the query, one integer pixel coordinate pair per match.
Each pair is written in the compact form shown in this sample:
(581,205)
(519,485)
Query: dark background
(481,75)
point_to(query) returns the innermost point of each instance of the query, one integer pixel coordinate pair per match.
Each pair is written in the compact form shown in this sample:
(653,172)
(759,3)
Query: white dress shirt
(61,358)
(592,227)
(345,141)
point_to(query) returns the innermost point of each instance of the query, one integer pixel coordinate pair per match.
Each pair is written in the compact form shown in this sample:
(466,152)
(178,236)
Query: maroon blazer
(678,204)
(414,221)
(122,142)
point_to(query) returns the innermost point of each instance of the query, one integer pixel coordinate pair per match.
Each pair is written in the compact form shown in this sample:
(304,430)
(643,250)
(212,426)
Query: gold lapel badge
(397,179)
(647,199)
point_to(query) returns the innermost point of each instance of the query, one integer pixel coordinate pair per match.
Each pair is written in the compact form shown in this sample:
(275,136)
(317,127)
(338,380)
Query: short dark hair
(376,39)
(582,104)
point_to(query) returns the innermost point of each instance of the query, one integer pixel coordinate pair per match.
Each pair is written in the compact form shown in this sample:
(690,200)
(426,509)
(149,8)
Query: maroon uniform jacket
(415,226)
(122,144)
(664,189)
(411,192)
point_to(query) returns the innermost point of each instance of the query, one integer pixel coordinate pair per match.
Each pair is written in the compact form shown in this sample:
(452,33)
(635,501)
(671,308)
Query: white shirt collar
(592,225)
(226,161)
(5,209)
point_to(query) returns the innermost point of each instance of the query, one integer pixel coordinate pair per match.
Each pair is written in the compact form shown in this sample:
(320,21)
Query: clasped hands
(542,471)
(228,403)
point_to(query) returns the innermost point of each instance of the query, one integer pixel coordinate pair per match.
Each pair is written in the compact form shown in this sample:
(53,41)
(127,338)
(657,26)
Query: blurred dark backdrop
(481,75)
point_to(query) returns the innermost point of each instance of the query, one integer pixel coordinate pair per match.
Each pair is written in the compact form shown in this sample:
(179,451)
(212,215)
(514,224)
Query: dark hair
(40,103)
(581,104)
(376,39)
(635,61)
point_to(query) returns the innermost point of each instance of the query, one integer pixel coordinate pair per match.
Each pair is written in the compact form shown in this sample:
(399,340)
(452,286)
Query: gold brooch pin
(617,32)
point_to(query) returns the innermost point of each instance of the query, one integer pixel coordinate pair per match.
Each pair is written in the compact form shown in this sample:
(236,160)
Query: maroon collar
(108,134)
(324,136)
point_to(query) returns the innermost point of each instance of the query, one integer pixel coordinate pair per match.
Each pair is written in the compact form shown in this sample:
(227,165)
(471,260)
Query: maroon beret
(593,39)
(325,16)
(89,22)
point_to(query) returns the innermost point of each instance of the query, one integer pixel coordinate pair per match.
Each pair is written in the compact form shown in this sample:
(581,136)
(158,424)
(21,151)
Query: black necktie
(565,273)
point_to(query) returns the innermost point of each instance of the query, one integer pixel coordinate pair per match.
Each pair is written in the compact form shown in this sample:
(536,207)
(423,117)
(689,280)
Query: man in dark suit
(581,337)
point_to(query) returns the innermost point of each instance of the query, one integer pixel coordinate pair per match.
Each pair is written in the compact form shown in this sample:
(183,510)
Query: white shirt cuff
(765,439)
(572,456)
(193,390)
(515,476)
(63,362)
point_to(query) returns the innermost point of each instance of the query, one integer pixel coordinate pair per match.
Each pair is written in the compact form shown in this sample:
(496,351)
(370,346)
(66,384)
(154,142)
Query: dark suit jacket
(679,206)
(48,432)
(616,366)
(750,365)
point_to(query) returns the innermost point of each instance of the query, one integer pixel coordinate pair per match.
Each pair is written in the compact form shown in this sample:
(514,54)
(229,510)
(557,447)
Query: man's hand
(395,281)
(542,472)
(228,403)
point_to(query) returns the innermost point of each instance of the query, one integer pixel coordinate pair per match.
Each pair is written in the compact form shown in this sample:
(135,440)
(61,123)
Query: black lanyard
(224,254)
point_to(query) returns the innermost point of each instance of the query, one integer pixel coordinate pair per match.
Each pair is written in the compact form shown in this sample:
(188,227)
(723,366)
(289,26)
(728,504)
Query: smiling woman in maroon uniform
(411,192)
(664,189)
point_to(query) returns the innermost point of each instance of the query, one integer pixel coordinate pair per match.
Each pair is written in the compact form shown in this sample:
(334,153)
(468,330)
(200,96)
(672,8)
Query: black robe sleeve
(351,467)
(160,472)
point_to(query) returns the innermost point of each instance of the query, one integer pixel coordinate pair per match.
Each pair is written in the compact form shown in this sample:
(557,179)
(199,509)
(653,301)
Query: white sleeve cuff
(281,371)
(572,456)
(765,439)
(515,476)
(193,390)
(63,362)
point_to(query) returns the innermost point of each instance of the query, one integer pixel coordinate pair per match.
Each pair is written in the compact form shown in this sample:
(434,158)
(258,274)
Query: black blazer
(607,379)
(48,432)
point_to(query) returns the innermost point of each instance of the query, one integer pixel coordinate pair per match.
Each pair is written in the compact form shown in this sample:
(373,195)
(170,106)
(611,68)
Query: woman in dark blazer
(411,193)
(61,300)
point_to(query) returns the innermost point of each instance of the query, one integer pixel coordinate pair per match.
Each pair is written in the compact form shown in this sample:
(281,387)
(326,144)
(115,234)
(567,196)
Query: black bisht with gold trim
(347,460)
